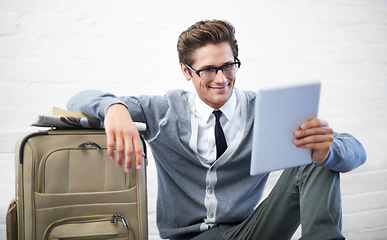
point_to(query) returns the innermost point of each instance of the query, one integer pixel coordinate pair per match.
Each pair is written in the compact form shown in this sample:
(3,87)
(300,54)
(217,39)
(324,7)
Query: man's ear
(185,71)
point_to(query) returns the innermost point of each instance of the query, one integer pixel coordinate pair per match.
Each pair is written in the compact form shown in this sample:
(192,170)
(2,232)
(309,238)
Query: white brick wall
(51,49)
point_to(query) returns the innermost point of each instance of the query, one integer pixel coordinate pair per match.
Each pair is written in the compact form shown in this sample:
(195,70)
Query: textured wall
(51,49)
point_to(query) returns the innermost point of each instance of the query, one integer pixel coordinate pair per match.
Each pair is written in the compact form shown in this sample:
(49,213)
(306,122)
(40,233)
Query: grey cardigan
(192,194)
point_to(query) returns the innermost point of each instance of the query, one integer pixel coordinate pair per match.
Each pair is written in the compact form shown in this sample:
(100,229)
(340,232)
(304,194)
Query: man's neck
(204,111)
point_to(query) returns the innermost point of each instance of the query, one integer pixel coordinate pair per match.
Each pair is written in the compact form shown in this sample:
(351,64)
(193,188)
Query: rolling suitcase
(68,188)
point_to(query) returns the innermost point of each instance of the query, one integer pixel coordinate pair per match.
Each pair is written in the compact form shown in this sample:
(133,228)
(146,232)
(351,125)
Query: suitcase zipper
(120,217)
(94,218)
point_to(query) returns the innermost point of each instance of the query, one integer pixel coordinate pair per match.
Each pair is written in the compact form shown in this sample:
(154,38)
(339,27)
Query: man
(204,193)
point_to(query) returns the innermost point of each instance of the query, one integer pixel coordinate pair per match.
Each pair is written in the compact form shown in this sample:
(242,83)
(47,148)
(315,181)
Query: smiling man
(202,142)
(214,85)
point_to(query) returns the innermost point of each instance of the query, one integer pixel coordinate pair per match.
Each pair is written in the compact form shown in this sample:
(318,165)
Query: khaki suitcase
(68,188)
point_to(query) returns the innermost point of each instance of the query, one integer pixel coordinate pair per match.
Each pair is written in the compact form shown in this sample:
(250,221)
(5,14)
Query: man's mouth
(219,87)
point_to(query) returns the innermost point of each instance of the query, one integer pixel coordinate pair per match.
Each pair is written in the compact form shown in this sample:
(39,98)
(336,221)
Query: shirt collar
(204,111)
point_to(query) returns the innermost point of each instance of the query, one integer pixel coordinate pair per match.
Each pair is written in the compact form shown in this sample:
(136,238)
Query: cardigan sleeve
(93,103)
(150,110)
(346,154)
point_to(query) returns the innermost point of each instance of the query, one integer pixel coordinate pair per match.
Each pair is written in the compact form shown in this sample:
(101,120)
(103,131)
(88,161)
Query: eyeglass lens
(227,70)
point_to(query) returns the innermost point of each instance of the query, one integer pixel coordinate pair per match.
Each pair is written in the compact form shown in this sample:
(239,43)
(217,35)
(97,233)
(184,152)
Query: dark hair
(203,33)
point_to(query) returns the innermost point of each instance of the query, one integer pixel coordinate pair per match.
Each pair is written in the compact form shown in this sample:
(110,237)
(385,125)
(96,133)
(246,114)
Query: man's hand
(316,135)
(121,131)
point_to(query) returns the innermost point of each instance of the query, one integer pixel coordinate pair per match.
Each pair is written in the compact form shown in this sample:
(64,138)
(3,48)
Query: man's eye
(226,67)
(208,70)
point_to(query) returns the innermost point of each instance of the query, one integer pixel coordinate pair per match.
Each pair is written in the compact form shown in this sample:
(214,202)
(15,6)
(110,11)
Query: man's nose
(219,77)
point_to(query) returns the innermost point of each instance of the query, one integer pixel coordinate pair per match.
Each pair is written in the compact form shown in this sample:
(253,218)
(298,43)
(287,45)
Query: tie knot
(217,114)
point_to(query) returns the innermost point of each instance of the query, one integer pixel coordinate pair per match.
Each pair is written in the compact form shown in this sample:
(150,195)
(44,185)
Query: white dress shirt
(230,122)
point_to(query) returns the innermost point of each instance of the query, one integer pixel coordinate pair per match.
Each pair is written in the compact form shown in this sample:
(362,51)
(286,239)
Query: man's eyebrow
(206,67)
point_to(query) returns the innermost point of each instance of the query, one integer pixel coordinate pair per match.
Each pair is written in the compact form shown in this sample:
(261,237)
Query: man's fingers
(138,152)
(313,131)
(313,127)
(128,155)
(123,135)
(316,135)
(313,123)
(133,151)
(125,147)
(120,149)
(110,144)
(314,141)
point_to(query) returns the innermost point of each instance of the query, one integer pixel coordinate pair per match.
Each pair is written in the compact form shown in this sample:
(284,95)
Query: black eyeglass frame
(216,69)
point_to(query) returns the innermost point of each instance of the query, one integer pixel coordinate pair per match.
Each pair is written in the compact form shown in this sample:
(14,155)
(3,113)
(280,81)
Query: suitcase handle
(89,143)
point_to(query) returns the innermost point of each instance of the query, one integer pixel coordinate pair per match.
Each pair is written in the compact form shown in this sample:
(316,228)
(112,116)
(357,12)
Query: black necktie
(220,140)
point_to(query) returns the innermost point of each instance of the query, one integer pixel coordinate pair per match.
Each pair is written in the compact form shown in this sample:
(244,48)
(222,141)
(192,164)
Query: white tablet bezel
(279,111)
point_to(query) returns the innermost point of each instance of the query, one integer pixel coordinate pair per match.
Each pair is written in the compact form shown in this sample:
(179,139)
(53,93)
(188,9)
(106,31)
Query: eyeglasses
(209,73)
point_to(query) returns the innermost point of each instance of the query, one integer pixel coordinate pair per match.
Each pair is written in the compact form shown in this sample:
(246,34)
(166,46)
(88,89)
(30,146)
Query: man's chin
(220,100)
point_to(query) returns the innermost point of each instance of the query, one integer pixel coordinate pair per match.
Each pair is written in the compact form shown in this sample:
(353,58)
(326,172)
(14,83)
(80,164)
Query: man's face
(217,91)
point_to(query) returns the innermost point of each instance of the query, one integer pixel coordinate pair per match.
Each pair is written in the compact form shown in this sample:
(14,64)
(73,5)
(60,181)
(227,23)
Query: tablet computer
(279,111)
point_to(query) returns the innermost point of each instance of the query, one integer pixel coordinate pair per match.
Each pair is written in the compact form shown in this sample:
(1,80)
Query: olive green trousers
(308,195)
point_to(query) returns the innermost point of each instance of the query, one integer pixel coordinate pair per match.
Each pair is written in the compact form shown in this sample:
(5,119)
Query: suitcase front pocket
(90,227)
(81,169)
